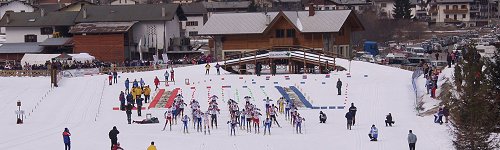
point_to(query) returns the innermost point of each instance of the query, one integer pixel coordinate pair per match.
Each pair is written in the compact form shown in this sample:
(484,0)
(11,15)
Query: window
(447,16)
(447,7)
(193,33)
(464,6)
(383,5)
(192,23)
(290,33)
(464,16)
(455,7)
(30,38)
(46,31)
(280,33)
(341,51)
(455,17)
(327,8)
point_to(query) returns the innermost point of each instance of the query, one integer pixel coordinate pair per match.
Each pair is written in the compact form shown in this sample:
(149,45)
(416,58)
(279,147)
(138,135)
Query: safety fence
(416,74)
(37,73)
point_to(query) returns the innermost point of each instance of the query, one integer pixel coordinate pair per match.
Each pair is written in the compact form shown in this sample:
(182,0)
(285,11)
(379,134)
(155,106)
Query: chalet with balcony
(323,31)
(450,11)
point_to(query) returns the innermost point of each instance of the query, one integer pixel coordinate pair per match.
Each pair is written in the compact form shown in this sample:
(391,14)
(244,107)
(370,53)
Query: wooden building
(323,31)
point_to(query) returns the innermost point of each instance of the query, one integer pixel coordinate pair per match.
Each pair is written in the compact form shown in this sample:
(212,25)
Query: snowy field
(84,105)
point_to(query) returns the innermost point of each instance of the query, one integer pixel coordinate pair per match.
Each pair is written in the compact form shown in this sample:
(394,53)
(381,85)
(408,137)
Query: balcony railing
(456,11)
(281,41)
(449,20)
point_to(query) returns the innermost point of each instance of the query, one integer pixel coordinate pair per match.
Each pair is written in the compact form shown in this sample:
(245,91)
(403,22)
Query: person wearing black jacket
(339,87)
(388,120)
(349,118)
(139,105)
(113,135)
(322,117)
(129,112)
(353,110)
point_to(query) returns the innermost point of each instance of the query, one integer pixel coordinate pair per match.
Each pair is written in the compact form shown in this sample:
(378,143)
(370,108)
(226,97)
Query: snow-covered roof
(254,23)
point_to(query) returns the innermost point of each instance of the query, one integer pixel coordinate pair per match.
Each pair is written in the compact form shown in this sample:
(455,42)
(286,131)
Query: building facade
(326,31)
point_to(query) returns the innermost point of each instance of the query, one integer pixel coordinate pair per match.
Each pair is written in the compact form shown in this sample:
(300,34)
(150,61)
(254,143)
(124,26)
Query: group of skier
(134,97)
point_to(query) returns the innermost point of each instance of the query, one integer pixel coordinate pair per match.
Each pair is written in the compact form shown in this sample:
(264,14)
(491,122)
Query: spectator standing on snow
(152,146)
(437,56)
(349,118)
(339,87)
(128,111)
(110,78)
(66,138)
(135,83)
(127,84)
(207,67)
(273,69)
(446,113)
(138,101)
(113,135)
(233,123)
(172,74)
(412,140)
(217,66)
(142,83)
(147,94)
(353,111)
(166,74)
(115,76)
(388,120)
(122,100)
(157,82)
(129,98)
(448,60)
(373,133)
(322,117)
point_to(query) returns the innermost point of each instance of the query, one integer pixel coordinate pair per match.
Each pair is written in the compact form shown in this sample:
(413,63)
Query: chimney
(85,13)
(163,11)
(311,9)
(42,12)
(7,15)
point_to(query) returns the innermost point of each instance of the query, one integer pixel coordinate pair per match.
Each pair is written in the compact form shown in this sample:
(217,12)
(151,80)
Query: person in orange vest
(147,93)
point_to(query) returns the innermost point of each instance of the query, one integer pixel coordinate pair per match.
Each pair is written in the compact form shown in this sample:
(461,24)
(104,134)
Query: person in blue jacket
(66,138)
(142,83)
(127,84)
(135,83)
(373,133)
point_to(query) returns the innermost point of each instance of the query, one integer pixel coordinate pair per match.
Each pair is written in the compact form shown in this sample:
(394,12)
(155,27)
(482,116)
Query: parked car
(439,63)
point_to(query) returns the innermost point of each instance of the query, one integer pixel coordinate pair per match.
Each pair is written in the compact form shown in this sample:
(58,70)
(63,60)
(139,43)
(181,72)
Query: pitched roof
(214,5)
(102,27)
(49,7)
(28,47)
(125,13)
(53,1)
(35,19)
(255,23)
(76,3)
(454,1)
(194,9)
(55,41)
(351,2)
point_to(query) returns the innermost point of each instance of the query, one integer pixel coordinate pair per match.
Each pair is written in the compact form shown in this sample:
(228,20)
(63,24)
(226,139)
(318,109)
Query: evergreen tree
(492,75)
(472,110)
(402,9)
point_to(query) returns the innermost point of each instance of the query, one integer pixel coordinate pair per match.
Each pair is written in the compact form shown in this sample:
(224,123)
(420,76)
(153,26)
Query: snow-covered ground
(84,105)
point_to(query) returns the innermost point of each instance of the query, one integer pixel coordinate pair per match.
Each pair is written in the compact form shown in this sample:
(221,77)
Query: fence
(37,73)
(417,72)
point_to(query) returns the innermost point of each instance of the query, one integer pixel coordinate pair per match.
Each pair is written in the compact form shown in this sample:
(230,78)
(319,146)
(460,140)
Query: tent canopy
(40,59)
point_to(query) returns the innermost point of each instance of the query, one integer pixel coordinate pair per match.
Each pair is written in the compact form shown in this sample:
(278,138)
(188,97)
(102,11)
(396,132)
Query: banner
(80,72)
(280,54)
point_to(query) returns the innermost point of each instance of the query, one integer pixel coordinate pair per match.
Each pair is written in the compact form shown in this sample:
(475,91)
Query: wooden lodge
(240,35)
